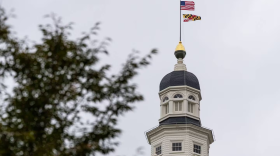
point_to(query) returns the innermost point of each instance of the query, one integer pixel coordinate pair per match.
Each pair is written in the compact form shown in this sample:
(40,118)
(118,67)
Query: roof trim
(188,88)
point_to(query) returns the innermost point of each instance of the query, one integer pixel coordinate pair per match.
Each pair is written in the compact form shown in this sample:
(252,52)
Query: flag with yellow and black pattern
(190,17)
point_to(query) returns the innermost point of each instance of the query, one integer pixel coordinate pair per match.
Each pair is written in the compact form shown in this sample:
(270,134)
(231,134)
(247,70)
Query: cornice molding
(162,129)
(179,115)
(180,88)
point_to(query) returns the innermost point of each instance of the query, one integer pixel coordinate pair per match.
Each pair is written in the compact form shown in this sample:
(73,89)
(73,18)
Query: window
(190,107)
(165,99)
(178,106)
(197,149)
(191,97)
(158,150)
(178,96)
(177,146)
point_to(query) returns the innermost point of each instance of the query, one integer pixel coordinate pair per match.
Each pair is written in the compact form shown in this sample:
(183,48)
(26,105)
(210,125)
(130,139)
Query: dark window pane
(197,149)
(178,96)
(158,150)
(165,99)
(176,146)
(191,97)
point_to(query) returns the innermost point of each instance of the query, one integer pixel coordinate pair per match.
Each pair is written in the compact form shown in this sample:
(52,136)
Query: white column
(196,109)
(167,105)
(170,107)
(185,106)
(161,111)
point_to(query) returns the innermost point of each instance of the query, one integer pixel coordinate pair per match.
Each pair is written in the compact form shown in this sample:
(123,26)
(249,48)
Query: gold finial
(180,47)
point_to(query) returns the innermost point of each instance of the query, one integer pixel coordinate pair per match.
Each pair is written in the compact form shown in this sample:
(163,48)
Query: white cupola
(180,131)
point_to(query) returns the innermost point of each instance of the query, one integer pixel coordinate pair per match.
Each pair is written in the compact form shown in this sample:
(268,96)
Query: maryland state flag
(190,17)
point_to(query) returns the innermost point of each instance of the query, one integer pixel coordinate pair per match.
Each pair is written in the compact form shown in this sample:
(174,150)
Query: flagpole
(180,20)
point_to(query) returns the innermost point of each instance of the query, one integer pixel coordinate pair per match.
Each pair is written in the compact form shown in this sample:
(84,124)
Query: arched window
(165,99)
(191,97)
(178,96)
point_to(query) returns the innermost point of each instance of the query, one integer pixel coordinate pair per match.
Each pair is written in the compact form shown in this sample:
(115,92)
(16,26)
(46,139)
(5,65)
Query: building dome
(179,78)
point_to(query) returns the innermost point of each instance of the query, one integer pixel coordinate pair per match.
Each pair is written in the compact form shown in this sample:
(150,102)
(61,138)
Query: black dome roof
(179,78)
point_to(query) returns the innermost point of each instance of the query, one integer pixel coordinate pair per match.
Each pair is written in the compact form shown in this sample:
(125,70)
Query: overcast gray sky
(233,50)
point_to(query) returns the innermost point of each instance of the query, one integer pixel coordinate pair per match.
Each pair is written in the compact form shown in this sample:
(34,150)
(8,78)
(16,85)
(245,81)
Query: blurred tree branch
(56,81)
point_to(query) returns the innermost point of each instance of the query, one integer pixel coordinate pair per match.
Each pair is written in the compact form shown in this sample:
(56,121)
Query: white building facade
(180,132)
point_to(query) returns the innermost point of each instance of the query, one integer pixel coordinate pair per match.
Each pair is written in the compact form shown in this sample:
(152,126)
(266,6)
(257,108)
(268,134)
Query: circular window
(178,96)
(191,97)
(165,99)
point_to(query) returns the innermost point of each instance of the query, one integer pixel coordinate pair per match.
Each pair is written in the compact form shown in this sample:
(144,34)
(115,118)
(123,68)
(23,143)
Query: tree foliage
(57,82)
